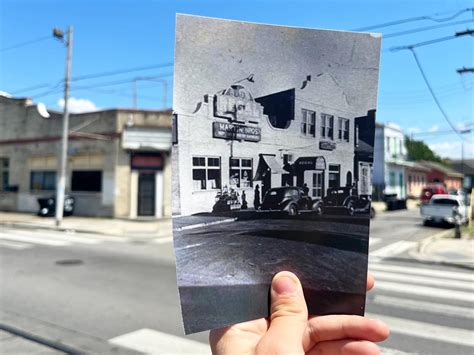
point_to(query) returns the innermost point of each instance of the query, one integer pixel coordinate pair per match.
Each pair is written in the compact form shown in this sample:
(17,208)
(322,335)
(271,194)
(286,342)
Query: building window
(308,123)
(334,176)
(240,172)
(206,173)
(392,181)
(343,129)
(42,180)
(327,126)
(317,185)
(87,181)
(4,174)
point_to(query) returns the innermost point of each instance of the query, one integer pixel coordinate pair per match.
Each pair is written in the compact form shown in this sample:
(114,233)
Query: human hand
(289,330)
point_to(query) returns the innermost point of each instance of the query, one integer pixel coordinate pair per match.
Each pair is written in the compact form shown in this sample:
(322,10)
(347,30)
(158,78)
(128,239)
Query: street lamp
(61,182)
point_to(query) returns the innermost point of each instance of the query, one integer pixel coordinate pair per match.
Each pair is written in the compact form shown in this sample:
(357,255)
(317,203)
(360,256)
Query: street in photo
(273,141)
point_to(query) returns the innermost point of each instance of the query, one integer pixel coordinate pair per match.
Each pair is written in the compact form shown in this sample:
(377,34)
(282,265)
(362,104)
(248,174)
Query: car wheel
(350,209)
(372,213)
(292,210)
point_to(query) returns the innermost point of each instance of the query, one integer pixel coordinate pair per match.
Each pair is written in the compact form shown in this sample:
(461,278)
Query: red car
(430,190)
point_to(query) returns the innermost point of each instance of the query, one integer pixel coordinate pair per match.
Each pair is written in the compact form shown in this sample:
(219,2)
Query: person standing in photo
(256,198)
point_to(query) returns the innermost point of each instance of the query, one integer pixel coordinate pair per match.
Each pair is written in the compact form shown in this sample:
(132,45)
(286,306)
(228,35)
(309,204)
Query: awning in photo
(268,162)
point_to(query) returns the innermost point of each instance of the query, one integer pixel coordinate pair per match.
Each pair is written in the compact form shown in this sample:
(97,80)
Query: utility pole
(62,172)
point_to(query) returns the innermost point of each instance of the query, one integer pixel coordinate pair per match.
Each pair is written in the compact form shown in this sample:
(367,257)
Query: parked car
(430,190)
(288,199)
(445,208)
(345,199)
(226,201)
(47,206)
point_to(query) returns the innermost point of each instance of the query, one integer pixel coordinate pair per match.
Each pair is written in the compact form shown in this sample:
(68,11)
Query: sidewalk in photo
(443,248)
(146,228)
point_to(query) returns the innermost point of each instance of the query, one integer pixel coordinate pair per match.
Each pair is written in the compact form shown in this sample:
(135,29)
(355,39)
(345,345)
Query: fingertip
(370,281)
(380,330)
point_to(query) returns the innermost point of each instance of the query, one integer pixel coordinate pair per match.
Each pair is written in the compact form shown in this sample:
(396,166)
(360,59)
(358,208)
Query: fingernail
(284,285)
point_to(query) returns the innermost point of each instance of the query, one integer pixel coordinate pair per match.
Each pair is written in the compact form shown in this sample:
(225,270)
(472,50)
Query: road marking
(423,280)
(433,292)
(452,275)
(34,240)
(424,306)
(163,240)
(393,249)
(199,225)
(374,241)
(150,341)
(427,331)
(14,245)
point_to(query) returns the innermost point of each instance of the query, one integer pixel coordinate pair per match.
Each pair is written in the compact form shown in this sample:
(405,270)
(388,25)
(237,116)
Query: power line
(121,71)
(93,76)
(18,45)
(414,19)
(445,115)
(421,44)
(422,29)
(102,84)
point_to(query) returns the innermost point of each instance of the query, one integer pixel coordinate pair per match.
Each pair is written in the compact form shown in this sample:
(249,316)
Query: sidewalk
(152,228)
(14,344)
(443,248)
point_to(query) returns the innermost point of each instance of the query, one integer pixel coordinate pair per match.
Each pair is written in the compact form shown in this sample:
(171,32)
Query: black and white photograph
(273,141)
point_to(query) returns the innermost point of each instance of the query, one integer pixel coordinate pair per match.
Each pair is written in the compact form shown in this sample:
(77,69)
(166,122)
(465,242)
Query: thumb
(289,315)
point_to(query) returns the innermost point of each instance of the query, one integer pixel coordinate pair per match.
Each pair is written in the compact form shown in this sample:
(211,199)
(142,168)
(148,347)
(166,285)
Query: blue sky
(119,34)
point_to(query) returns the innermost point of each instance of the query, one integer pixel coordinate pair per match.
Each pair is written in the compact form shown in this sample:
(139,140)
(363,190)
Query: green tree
(418,150)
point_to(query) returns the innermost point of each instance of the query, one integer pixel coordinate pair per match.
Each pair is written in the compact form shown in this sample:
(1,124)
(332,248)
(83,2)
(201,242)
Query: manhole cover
(69,262)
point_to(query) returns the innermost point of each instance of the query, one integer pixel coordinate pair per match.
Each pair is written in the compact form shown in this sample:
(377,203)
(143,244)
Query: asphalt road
(83,293)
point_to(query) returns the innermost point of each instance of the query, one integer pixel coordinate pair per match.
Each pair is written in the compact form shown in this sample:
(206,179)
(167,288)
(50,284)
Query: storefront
(236,143)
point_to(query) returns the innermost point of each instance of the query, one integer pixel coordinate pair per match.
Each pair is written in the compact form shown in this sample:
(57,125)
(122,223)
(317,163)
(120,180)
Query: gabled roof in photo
(440,167)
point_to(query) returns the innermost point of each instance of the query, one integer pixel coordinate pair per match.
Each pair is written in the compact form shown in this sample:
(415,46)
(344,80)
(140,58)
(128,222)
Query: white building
(293,137)
(389,161)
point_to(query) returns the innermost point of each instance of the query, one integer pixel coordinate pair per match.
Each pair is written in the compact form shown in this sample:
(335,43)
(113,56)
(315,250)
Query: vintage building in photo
(117,159)
(233,141)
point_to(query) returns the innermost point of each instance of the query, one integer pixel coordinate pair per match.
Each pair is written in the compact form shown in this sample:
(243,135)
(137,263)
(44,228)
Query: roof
(465,166)
(416,166)
(440,167)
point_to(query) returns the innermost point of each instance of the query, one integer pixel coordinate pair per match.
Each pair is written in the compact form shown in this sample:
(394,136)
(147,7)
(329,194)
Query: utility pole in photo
(62,171)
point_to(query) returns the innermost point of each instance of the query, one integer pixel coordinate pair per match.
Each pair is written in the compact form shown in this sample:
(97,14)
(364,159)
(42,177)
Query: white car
(445,208)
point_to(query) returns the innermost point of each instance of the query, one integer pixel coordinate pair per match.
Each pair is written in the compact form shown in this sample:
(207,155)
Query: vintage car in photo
(345,200)
(288,199)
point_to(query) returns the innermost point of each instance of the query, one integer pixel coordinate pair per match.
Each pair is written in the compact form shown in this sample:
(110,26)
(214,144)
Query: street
(102,294)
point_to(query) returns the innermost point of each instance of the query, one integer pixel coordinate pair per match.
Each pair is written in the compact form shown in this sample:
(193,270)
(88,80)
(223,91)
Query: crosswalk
(429,311)
(424,303)
(19,239)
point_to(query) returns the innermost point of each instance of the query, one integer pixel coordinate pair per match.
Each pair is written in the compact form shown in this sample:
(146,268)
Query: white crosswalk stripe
(391,250)
(409,290)
(26,239)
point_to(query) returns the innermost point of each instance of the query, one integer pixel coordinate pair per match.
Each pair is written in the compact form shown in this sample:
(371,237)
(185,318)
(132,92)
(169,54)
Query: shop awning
(268,164)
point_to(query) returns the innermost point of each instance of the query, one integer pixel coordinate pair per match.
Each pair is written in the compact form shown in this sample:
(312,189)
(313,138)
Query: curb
(420,254)
(40,340)
(204,224)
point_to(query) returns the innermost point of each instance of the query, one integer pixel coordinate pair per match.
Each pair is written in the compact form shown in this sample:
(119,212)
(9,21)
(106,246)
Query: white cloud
(452,149)
(79,105)
(413,130)
(434,128)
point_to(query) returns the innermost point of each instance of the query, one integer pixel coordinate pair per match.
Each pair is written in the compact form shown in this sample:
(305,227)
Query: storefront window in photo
(343,129)
(206,173)
(240,172)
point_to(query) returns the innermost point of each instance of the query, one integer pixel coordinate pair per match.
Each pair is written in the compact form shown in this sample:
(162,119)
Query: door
(146,194)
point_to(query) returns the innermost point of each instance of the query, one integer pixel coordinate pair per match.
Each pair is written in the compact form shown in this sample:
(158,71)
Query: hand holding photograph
(273,140)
